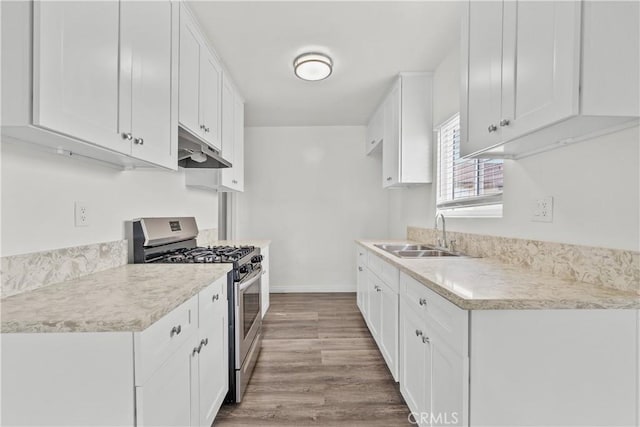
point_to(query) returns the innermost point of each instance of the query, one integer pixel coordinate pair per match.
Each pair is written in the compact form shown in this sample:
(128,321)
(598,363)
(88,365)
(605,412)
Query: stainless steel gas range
(173,240)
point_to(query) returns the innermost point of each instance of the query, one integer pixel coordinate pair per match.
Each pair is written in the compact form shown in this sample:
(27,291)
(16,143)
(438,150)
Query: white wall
(312,191)
(595,185)
(39,190)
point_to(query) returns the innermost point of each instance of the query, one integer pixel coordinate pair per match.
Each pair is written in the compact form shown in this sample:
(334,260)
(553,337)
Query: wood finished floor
(319,366)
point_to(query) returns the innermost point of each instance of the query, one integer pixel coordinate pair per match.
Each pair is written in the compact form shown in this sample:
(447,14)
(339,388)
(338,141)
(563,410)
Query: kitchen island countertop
(123,299)
(487,284)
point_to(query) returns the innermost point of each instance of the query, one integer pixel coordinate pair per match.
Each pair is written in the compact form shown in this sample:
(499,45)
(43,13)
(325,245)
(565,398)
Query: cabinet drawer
(387,272)
(440,315)
(213,294)
(154,345)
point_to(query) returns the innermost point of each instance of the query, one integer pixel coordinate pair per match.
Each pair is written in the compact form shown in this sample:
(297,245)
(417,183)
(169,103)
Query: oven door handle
(244,286)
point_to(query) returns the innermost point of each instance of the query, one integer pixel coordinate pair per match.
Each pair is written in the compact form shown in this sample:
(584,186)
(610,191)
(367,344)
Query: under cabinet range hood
(193,153)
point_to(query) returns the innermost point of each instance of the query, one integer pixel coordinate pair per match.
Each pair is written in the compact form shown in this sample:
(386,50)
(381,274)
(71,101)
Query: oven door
(248,314)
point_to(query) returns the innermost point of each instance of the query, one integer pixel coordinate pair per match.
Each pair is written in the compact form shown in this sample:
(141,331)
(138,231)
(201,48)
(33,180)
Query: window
(465,183)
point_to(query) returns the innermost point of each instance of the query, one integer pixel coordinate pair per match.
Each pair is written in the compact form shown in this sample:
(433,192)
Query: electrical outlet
(82,214)
(543,209)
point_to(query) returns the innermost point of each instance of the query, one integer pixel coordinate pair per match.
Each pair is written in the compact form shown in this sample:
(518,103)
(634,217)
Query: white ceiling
(369,41)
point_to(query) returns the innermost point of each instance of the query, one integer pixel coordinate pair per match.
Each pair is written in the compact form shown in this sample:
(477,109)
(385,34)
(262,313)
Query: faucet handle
(452,245)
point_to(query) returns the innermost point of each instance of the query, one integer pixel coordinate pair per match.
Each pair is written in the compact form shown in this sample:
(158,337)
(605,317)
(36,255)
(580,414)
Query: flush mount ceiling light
(313,66)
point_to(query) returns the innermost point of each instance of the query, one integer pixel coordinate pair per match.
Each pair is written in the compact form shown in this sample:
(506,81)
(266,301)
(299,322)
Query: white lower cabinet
(415,364)
(361,281)
(377,298)
(434,369)
(165,399)
(212,354)
(265,279)
(500,367)
(174,373)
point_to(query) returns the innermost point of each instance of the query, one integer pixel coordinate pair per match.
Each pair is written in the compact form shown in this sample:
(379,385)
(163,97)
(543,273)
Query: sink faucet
(441,242)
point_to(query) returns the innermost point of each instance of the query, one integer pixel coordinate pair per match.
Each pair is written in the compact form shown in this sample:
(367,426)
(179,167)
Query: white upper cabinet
(225,179)
(228,114)
(200,85)
(537,75)
(485,64)
(75,63)
(407,131)
(145,86)
(102,83)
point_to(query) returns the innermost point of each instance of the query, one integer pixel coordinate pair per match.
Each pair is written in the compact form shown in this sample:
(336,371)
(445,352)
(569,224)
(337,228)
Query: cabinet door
(165,399)
(415,365)
(541,64)
(146,34)
(389,328)
(228,123)
(361,283)
(450,390)
(391,138)
(75,70)
(229,177)
(481,93)
(213,362)
(190,52)
(373,305)
(238,154)
(265,280)
(211,99)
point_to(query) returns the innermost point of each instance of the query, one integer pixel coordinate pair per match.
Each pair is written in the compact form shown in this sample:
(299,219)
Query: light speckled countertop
(486,284)
(122,299)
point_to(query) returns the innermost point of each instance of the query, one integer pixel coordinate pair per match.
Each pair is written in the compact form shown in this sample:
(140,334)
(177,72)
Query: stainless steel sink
(423,254)
(417,251)
(396,248)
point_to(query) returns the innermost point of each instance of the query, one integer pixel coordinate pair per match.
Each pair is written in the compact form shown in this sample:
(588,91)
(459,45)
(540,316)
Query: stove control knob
(244,269)
(257,258)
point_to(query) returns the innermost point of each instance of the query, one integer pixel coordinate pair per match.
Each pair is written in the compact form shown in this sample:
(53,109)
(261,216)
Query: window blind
(465,182)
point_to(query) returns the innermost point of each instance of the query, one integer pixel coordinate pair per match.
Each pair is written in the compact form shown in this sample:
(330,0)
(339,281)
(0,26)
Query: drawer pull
(176,330)
(422,301)
(418,332)
(425,340)
(215,297)
(359,268)
(204,342)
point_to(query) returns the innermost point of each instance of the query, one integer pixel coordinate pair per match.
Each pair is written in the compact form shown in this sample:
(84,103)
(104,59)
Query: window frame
(486,205)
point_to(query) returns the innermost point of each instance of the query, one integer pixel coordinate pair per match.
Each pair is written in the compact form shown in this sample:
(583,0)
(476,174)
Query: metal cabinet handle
(175,330)
(234,181)
(215,297)
(379,289)
(202,127)
(422,301)
(138,141)
(388,178)
(504,122)
(206,130)
(359,268)
(204,342)
(492,128)
(196,350)
(418,332)
(373,142)
(128,136)
(425,339)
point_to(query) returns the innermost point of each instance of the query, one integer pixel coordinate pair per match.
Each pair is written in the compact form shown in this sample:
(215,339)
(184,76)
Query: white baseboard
(287,289)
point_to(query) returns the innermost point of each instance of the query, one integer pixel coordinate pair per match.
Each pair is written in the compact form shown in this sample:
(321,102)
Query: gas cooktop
(209,254)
